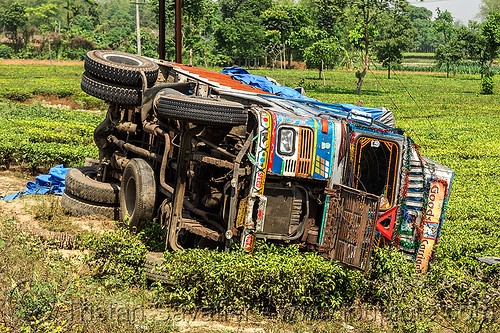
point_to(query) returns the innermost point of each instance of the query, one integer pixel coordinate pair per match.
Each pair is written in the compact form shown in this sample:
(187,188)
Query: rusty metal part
(219,149)
(105,128)
(134,149)
(307,229)
(187,135)
(118,162)
(212,160)
(63,240)
(178,31)
(313,234)
(127,127)
(350,226)
(197,228)
(235,188)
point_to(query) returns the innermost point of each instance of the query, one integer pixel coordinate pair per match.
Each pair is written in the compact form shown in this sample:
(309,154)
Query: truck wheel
(79,207)
(110,92)
(81,183)
(120,67)
(201,110)
(137,193)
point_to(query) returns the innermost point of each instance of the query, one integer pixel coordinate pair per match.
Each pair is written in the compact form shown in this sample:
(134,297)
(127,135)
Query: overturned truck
(215,161)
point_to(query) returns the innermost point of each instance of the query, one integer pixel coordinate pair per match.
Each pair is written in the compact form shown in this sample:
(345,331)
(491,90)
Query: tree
(474,43)
(321,54)
(13,20)
(491,35)
(300,40)
(443,24)
(421,18)
(487,6)
(368,14)
(394,37)
(450,53)
(240,34)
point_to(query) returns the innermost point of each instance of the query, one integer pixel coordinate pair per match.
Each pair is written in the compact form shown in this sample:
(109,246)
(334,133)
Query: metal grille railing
(306,152)
(350,227)
(289,166)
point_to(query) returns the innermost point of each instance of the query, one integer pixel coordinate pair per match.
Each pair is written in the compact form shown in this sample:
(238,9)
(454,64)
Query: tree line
(274,33)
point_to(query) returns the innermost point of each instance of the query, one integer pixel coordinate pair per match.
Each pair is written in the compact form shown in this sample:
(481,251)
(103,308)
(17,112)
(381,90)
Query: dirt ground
(22,209)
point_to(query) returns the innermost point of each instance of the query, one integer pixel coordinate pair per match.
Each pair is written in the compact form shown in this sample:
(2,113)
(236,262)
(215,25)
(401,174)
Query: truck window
(375,168)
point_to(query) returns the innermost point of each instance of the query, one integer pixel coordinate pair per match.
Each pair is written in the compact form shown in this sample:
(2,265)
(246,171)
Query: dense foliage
(253,33)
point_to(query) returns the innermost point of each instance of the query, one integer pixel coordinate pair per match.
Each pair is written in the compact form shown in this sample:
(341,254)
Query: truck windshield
(375,168)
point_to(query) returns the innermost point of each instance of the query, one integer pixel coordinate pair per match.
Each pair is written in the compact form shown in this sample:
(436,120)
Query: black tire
(120,67)
(79,207)
(81,183)
(201,111)
(110,92)
(137,193)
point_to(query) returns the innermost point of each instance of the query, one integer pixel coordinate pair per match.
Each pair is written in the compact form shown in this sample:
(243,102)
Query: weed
(115,257)
(48,212)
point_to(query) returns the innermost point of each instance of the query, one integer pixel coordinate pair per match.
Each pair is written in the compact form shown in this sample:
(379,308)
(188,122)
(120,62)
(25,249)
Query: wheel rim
(122,59)
(130,197)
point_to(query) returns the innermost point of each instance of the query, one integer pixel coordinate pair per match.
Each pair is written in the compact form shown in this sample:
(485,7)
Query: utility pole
(138,27)
(178,32)
(161,29)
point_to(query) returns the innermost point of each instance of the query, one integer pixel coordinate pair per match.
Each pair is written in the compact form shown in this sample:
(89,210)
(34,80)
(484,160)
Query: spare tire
(80,207)
(201,110)
(81,183)
(137,193)
(110,92)
(120,67)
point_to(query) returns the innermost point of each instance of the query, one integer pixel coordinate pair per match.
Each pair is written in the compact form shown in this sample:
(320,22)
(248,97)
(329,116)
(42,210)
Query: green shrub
(5,51)
(487,85)
(115,257)
(272,279)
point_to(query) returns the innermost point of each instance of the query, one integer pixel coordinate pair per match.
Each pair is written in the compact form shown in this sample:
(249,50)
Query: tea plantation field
(447,117)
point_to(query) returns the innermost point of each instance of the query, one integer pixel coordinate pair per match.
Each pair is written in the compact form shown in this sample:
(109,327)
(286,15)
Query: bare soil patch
(53,101)
(39,62)
(23,209)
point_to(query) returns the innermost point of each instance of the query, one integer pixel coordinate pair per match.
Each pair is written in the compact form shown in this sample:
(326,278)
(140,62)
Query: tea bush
(41,137)
(487,85)
(115,257)
(272,279)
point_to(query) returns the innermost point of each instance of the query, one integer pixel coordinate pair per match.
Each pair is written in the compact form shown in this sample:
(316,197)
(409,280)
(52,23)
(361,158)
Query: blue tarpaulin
(53,183)
(261,82)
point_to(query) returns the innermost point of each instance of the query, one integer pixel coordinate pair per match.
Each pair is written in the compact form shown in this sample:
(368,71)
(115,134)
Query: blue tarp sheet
(53,183)
(261,82)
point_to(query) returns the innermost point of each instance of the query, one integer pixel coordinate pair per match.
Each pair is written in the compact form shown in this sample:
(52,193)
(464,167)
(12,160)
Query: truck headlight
(286,141)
